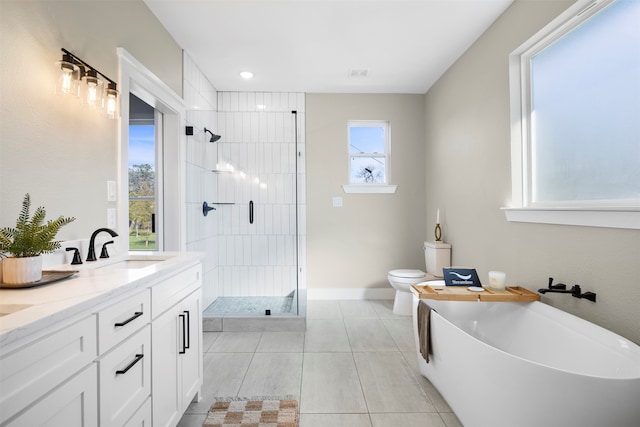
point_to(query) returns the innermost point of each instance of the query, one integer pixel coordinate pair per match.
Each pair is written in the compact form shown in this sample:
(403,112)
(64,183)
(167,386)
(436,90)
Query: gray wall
(468,177)
(356,245)
(50,146)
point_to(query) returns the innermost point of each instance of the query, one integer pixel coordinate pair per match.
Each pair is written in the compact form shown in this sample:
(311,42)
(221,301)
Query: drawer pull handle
(184,343)
(131,319)
(130,365)
(187,333)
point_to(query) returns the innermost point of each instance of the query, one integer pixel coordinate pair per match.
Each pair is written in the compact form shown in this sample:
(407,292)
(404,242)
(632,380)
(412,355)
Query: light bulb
(92,87)
(112,101)
(69,76)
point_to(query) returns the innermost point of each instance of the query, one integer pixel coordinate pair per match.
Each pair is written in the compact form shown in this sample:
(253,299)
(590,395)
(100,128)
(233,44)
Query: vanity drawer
(118,321)
(34,370)
(73,404)
(125,378)
(168,292)
(142,417)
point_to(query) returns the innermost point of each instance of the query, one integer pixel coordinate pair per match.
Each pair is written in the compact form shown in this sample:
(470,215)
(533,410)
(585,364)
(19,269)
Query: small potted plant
(22,247)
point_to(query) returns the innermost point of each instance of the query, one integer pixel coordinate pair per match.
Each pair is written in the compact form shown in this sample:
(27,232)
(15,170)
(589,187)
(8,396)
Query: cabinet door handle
(131,319)
(130,365)
(187,334)
(184,347)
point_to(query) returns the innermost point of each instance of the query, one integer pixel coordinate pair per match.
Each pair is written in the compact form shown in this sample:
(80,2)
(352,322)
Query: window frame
(617,214)
(363,188)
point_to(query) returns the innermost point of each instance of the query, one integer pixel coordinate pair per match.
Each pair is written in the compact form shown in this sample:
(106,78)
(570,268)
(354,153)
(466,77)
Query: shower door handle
(251,212)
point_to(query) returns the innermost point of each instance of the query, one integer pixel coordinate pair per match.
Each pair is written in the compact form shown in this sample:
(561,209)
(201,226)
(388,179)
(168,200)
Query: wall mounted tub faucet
(92,243)
(561,288)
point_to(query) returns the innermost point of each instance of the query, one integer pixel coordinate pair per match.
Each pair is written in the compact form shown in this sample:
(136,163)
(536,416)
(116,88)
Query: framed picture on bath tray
(454,276)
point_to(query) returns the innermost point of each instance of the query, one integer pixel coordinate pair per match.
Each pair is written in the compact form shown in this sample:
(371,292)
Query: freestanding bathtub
(529,364)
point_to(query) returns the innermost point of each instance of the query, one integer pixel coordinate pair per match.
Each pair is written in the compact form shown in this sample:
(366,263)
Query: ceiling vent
(361,72)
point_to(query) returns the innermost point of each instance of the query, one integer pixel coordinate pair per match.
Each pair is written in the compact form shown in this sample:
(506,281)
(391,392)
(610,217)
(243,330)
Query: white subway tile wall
(255,161)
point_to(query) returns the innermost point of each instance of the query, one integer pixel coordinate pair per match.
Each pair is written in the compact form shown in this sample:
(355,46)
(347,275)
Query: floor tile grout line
(244,377)
(353,358)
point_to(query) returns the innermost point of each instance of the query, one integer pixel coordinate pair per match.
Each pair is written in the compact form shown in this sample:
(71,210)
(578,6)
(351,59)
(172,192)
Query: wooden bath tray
(461,293)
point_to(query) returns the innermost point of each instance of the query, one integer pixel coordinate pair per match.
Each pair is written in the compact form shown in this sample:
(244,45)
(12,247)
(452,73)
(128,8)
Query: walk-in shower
(259,198)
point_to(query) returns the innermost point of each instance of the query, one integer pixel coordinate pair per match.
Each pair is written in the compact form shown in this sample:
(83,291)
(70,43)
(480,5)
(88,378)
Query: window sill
(628,218)
(369,189)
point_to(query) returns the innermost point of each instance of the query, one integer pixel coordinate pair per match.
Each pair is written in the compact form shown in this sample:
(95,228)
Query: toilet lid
(412,274)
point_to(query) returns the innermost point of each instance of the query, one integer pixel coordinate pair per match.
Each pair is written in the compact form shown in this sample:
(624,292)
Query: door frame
(137,79)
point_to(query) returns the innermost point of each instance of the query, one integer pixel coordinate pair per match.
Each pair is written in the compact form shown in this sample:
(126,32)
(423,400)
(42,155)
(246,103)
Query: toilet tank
(437,255)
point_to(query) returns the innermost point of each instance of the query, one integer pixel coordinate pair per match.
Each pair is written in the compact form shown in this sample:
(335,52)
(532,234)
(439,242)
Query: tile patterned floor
(355,366)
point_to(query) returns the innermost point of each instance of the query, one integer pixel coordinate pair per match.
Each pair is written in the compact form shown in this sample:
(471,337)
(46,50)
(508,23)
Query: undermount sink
(6,309)
(135,261)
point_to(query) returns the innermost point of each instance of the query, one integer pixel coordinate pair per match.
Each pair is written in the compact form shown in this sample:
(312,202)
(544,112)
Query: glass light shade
(92,90)
(69,77)
(111,101)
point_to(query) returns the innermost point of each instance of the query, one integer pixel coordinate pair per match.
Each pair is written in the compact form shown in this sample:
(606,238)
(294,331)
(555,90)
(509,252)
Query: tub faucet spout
(560,288)
(92,243)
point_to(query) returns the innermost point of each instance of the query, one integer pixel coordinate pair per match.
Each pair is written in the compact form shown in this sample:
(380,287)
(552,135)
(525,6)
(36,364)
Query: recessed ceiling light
(246,74)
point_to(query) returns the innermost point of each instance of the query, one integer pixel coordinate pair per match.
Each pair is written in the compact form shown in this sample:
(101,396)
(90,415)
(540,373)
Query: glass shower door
(258,236)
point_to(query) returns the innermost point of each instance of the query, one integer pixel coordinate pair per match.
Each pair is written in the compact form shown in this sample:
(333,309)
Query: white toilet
(437,255)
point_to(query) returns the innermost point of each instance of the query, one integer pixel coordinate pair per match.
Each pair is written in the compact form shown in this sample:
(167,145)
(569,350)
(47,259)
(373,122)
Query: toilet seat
(408,274)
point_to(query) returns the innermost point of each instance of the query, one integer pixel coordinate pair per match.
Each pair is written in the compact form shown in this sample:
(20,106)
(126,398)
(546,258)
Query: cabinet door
(74,404)
(191,359)
(166,405)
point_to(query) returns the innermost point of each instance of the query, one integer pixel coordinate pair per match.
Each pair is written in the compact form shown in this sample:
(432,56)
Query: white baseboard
(350,293)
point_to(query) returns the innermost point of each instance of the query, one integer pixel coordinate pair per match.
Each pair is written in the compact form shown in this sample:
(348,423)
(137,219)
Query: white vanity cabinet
(176,345)
(127,358)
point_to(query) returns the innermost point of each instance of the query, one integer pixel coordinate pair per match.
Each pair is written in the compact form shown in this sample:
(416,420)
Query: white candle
(438,217)
(497,280)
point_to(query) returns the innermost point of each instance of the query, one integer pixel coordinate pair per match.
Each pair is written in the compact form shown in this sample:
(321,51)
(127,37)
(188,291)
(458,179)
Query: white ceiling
(311,45)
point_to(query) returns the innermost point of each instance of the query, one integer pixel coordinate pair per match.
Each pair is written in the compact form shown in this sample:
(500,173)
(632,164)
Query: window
(369,148)
(575,115)
(143,175)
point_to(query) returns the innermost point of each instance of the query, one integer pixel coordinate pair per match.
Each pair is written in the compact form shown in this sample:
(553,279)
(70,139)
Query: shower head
(214,137)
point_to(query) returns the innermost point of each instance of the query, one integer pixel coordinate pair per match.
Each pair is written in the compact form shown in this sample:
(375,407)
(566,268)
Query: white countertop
(91,286)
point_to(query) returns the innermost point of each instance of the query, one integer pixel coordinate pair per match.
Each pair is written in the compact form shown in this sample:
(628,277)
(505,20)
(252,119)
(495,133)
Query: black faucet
(104,253)
(561,288)
(92,251)
(76,256)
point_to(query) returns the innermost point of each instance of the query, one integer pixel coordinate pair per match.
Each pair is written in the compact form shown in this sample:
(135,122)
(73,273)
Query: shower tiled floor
(250,305)
(355,366)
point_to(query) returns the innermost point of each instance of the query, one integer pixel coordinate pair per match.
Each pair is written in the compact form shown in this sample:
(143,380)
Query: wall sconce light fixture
(80,79)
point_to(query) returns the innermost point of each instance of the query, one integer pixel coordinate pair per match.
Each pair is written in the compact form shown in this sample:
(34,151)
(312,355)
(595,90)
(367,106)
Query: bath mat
(253,412)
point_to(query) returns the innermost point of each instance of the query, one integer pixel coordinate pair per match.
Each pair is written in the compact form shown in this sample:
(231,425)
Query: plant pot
(22,270)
